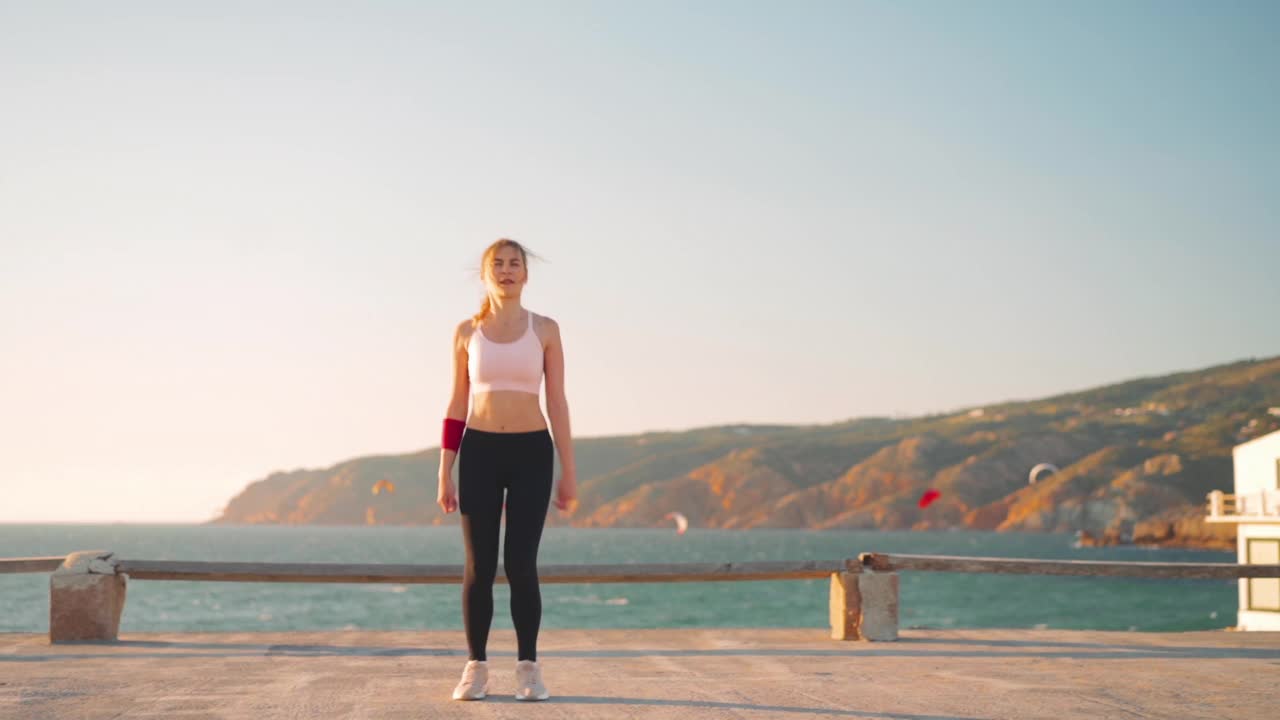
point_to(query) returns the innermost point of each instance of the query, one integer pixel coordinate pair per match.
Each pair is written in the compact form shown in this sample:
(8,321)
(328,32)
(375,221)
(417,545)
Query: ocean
(927,600)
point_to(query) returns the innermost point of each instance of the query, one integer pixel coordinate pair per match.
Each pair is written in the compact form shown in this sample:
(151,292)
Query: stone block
(864,606)
(879,619)
(86,598)
(846,606)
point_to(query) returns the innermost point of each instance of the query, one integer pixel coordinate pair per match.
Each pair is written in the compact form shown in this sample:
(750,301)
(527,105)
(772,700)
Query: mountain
(1134,462)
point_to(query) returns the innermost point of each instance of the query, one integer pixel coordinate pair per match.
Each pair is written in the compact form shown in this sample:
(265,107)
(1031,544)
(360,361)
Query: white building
(1255,508)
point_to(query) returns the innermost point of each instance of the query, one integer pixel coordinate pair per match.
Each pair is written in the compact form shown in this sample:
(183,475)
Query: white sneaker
(474,683)
(529,681)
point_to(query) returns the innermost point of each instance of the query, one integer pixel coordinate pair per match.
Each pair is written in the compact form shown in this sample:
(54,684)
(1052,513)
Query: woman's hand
(567,492)
(446,498)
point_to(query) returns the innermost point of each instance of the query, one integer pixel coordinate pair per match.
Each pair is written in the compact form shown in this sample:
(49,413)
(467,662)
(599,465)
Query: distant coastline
(1132,463)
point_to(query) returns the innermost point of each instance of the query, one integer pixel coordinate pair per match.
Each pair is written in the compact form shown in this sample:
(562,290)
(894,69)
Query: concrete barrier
(86,598)
(864,606)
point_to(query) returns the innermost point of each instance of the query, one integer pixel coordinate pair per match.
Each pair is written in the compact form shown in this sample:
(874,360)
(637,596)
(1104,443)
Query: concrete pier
(675,673)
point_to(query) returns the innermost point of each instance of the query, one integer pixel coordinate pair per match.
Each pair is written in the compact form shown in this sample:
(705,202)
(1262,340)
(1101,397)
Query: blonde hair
(486,307)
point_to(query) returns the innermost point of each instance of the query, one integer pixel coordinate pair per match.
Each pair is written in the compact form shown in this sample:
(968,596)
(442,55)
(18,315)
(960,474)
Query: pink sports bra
(505,366)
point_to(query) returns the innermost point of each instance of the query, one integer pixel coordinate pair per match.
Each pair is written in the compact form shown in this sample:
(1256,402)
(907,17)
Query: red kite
(929,496)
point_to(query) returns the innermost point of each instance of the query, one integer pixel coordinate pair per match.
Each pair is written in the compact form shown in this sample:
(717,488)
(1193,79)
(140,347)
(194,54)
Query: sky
(235,237)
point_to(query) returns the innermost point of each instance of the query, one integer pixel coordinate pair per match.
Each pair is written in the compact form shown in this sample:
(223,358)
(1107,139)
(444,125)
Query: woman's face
(506,274)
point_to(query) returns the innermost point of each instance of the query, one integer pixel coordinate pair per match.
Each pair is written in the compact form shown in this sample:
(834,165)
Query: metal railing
(434,574)
(87,589)
(29,565)
(216,571)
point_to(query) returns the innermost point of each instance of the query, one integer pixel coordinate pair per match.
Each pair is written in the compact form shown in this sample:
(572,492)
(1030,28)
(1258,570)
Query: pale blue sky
(234,237)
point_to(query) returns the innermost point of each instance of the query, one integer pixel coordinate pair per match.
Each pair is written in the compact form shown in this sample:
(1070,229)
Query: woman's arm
(558,412)
(457,410)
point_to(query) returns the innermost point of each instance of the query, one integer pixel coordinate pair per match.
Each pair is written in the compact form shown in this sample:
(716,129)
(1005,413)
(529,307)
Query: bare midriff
(506,411)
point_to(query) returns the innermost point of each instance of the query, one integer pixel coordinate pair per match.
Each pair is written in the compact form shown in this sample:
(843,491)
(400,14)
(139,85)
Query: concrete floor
(712,673)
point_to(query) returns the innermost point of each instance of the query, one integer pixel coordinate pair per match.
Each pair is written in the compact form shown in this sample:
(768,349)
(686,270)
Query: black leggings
(521,464)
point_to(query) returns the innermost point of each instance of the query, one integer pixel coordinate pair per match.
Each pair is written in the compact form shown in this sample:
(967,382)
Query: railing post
(846,606)
(86,598)
(864,604)
(879,592)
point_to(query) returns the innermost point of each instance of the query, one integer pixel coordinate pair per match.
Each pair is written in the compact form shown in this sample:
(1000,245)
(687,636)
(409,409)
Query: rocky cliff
(1134,462)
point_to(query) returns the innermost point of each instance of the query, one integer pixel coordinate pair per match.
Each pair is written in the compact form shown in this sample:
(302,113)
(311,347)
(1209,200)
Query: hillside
(1135,461)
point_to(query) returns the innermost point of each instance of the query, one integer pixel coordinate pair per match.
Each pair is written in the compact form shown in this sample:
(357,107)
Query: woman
(499,360)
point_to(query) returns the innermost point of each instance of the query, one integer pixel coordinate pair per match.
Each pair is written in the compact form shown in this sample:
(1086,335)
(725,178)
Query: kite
(682,522)
(928,497)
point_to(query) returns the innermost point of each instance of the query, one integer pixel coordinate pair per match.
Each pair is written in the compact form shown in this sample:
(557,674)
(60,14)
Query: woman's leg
(480,505)
(528,496)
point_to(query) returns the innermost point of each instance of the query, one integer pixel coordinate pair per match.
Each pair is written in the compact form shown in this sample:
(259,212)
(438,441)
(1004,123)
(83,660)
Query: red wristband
(451,435)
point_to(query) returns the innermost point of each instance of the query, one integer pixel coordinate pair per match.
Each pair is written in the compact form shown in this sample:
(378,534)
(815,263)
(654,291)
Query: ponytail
(484,310)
